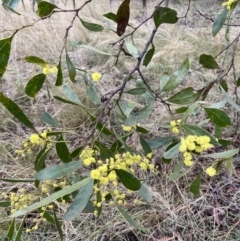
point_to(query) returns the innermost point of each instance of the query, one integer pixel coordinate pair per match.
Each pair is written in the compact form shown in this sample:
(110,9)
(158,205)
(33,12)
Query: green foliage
(5,47)
(34,85)
(45,9)
(92,26)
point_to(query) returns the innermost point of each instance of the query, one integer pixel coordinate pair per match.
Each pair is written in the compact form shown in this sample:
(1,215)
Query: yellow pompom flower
(127,128)
(228,4)
(53,70)
(96,76)
(95,174)
(34,139)
(211,171)
(188,162)
(46,70)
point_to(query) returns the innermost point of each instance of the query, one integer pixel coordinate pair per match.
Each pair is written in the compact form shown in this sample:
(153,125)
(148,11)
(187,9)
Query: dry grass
(174,212)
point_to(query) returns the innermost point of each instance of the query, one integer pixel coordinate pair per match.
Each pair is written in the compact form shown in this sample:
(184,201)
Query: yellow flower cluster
(96,76)
(211,171)
(106,180)
(37,221)
(19,200)
(49,185)
(48,69)
(228,4)
(191,144)
(129,128)
(35,140)
(174,126)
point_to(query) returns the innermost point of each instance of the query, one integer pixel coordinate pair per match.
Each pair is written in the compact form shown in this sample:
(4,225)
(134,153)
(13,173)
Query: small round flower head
(127,128)
(174,126)
(53,70)
(46,70)
(35,139)
(96,76)
(211,171)
(228,4)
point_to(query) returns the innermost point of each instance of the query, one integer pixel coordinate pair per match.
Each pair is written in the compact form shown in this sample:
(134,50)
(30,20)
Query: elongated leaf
(94,49)
(218,23)
(164,15)
(148,57)
(124,108)
(139,116)
(11,230)
(223,84)
(195,130)
(34,85)
(224,142)
(218,132)
(19,232)
(45,9)
(76,152)
(129,219)
(11,3)
(35,60)
(128,180)
(40,159)
(91,26)
(58,225)
(58,171)
(230,100)
(5,204)
(123,15)
(16,111)
(65,101)
(145,194)
(177,172)
(204,91)
(142,130)
(148,95)
(189,111)
(132,50)
(208,62)
(147,149)
(184,97)
(164,80)
(5,47)
(46,215)
(111,16)
(222,155)
(46,118)
(218,117)
(195,186)
(159,142)
(71,95)
(173,151)
(52,197)
(80,202)
(59,80)
(93,95)
(177,77)
(104,152)
(136,91)
(229,165)
(238,82)
(62,150)
(71,69)
(181,110)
